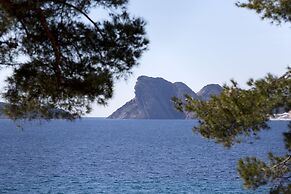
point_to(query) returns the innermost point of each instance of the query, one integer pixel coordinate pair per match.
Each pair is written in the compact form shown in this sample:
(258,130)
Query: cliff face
(153,100)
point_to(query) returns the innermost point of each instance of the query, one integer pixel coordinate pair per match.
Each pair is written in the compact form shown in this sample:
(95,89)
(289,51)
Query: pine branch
(53,40)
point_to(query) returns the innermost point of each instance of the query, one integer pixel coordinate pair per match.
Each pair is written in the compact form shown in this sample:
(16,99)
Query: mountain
(153,100)
(209,90)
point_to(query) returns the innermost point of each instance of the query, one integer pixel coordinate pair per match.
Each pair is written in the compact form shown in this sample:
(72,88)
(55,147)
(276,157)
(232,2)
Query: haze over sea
(123,156)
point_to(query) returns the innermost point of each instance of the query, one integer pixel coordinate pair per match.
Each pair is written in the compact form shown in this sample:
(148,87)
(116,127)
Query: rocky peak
(209,90)
(153,100)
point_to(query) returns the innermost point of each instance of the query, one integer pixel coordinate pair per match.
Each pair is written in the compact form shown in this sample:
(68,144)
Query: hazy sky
(202,42)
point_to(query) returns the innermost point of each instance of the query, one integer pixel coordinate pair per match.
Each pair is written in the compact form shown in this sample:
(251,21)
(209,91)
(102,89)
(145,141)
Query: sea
(97,155)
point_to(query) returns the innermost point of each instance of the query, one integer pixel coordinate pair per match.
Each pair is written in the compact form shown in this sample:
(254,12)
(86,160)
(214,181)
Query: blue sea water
(123,156)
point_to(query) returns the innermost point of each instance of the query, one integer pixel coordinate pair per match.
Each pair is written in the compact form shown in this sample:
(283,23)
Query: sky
(201,42)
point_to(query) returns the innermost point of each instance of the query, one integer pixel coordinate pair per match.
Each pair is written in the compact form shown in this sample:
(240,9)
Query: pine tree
(63,59)
(238,112)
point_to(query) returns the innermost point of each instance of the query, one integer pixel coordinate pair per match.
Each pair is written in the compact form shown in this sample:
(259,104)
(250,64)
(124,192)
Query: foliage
(237,113)
(277,11)
(61,58)
(255,173)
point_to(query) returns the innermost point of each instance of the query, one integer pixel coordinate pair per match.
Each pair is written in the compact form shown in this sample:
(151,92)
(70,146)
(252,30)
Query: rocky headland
(153,99)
